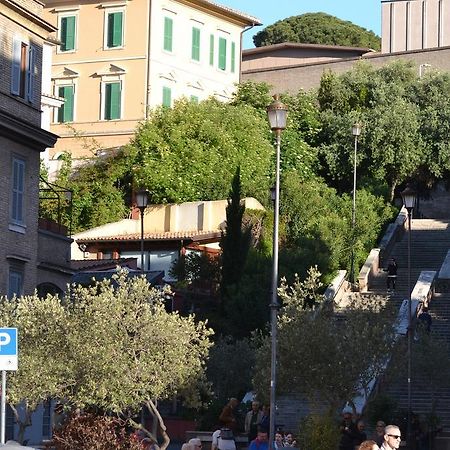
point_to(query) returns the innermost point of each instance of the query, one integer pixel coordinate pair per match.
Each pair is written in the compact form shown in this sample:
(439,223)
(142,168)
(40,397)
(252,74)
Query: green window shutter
(222,53)
(68,33)
(211,50)
(195,53)
(112,101)
(115,23)
(194,99)
(168,33)
(65,112)
(167,97)
(233,57)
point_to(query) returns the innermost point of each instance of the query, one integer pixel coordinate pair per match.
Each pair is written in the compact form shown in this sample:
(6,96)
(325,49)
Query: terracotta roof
(94,264)
(267,48)
(251,20)
(156,236)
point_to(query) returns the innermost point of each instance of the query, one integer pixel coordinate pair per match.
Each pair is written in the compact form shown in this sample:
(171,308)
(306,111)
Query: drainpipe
(149,30)
(240,59)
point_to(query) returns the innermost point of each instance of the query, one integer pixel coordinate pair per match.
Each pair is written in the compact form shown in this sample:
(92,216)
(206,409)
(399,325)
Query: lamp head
(356,129)
(409,196)
(277,114)
(142,199)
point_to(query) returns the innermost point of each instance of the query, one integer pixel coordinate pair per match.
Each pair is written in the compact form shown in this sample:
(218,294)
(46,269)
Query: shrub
(318,433)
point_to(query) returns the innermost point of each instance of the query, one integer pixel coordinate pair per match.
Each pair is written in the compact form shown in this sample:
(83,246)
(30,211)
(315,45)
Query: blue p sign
(8,341)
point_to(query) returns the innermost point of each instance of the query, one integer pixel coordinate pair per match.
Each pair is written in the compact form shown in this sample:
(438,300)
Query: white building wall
(176,69)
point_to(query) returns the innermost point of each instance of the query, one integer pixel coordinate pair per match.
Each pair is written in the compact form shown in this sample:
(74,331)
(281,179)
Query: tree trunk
(392,187)
(23,424)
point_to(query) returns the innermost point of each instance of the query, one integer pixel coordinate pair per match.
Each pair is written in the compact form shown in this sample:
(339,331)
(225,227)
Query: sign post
(8,361)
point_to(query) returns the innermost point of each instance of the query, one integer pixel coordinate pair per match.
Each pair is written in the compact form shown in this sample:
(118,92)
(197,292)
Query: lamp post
(409,196)
(356,131)
(141,203)
(277,114)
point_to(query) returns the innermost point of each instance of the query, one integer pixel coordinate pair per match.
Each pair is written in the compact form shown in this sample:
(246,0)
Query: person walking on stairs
(391,274)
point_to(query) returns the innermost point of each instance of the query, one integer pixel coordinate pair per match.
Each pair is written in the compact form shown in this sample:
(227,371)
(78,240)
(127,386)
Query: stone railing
(443,278)
(337,287)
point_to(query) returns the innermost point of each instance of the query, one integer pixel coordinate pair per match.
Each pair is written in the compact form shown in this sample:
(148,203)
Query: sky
(366,13)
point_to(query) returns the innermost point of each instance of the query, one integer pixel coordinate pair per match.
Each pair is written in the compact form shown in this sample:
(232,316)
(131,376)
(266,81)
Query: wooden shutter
(68,33)
(30,73)
(18,179)
(195,53)
(222,53)
(211,50)
(65,112)
(112,101)
(167,97)
(15,67)
(233,57)
(168,32)
(115,27)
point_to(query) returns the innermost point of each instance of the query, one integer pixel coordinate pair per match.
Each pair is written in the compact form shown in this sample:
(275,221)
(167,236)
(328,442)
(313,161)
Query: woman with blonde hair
(368,445)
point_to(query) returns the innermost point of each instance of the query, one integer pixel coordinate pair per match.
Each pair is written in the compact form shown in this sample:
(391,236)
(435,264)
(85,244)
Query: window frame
(196,37)
(222,58)
(16,271)
(108,12)
(166,90)
(168,39)
(57,110)
(23,68)
(62,16)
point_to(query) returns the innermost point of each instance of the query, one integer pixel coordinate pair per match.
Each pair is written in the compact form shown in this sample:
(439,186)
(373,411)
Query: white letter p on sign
(5,339)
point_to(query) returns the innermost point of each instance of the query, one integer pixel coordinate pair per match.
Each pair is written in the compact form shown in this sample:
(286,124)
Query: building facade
(28,255)
(118,59)
(414,24)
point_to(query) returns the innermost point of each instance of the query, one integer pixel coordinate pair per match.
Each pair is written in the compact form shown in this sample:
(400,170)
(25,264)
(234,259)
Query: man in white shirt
(392,438)
(223,439)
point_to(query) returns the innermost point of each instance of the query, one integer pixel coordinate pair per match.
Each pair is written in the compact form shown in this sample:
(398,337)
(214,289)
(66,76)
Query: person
(196,442)
(261,442)
(359,434)
(227,418)
(223,439)
(368,445)
(348,431)
(265,418)
(425,319)
(391,274)
(279,440)
(378,435)
(289,440)
(392,438)
(252,420)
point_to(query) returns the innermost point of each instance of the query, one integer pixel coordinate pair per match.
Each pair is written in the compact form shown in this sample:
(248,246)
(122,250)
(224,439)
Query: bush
(318,433)
(90,432)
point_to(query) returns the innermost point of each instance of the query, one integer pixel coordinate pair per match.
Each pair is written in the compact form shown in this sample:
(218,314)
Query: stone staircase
(430,241)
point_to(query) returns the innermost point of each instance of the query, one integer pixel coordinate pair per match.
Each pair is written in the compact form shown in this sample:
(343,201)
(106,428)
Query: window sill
(17,228)
(108,49)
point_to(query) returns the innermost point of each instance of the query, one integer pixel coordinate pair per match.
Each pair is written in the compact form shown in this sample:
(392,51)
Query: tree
(121,350)
(317,28)
(327,356)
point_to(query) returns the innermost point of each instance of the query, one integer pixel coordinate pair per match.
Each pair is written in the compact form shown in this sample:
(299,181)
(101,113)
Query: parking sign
(8,349)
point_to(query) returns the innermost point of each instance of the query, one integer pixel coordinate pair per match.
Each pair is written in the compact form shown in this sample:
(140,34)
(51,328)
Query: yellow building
(118,58)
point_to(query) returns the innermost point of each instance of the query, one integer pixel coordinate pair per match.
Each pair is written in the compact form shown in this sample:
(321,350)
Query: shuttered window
(168,34)
(195,53)
(65,112)
(115,29)
(18,181)
(222,53)
(167,97)
(113,94)
(67,36)
(22,70)
(211,50)
(233,57)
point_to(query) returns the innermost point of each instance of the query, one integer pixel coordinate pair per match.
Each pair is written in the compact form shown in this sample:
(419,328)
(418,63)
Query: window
(167,97)
(194,99)
(18,181)
(23,67)
(65,112)
(168,34)
(67,33)
(211,50)
(233,57)
(113,99)
(114,29)
(46,416)
(195,52)
(15,281)
(222,53)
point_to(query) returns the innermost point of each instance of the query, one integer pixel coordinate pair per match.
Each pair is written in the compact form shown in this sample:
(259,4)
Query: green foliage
(317,28)
(318,432)
(90,432)
(252,93)
(190,152)
(382,407)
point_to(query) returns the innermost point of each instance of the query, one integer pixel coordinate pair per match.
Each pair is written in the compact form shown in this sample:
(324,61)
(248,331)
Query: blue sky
(366,13)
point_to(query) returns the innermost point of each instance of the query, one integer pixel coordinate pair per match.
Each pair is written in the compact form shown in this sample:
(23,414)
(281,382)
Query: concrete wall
(307,76)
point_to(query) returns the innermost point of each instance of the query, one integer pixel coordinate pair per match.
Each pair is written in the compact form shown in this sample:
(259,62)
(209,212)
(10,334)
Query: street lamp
(409,196)
(141,203)
(356,131)
(277,114)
